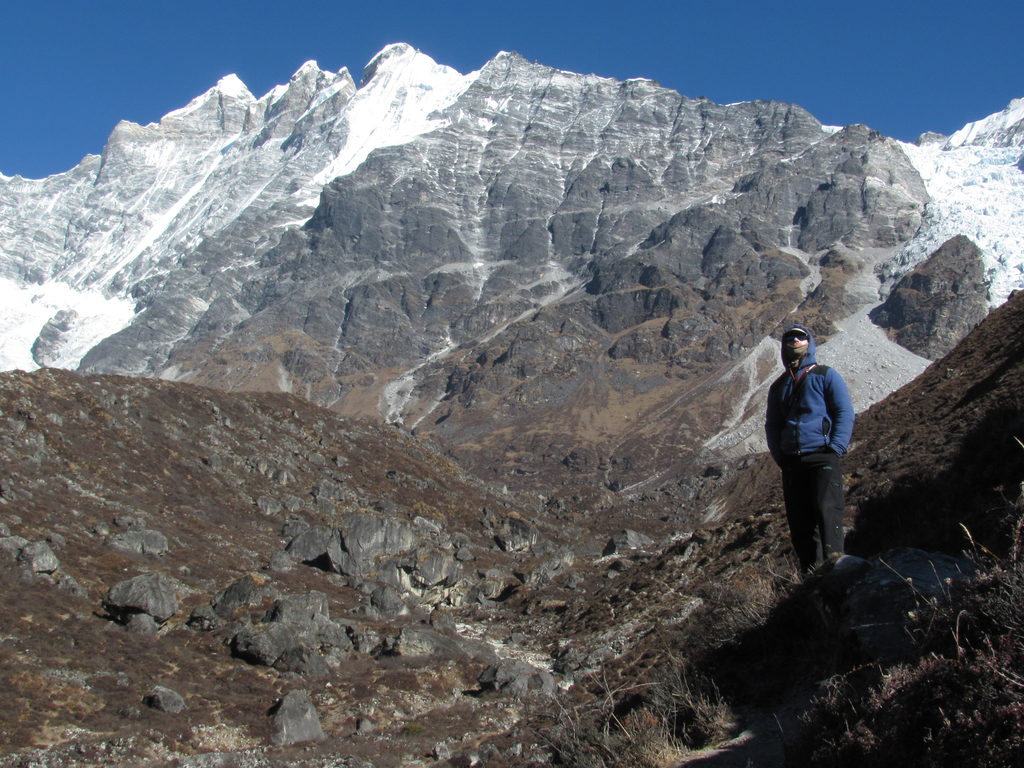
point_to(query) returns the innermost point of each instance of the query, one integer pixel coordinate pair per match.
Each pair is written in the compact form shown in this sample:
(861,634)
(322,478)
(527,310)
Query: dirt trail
(760,743)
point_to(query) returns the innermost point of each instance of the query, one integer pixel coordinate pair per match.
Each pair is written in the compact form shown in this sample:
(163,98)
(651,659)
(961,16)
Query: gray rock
(933,307)
(366,537)
(164,700)
(47,346)
(517,678)
(149,593)
(264,643)
(38,557)
(294,720)
(142,542)
(313,546)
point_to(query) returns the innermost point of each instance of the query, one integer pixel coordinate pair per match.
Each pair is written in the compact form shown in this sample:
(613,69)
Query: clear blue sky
(70,69)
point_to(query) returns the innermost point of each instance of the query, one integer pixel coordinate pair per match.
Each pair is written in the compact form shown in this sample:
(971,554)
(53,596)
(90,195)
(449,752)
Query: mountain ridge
(523,234)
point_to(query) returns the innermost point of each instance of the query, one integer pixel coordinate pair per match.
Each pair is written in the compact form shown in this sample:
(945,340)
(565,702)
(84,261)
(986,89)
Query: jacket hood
(812,347)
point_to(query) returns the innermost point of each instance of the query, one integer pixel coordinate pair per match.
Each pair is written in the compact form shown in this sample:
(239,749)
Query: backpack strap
(797,384)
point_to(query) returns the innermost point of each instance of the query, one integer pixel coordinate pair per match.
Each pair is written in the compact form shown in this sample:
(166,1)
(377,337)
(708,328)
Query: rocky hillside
(176,561)
(192,575)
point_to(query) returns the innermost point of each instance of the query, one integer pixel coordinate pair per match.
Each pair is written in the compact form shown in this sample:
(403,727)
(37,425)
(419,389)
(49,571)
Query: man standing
(809,424)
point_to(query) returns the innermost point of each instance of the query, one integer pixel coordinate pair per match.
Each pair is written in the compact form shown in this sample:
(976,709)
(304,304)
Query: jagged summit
(1002,129)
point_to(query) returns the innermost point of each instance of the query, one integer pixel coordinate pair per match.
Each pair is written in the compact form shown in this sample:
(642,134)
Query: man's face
(794,347)
(796,342)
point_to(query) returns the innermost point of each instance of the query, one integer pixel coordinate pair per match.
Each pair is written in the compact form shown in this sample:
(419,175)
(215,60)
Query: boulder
(38,557)
(294,719)
(317,546)
(264,643)
(141,542)
(148,593)
(937,304)
(366,537)
(517,678)
(876,600)
(164,700)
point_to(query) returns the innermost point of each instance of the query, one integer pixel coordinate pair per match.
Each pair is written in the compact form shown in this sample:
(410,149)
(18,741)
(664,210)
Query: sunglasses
(795,336)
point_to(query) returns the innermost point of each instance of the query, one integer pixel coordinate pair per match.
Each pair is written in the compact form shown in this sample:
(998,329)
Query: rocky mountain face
(565,280)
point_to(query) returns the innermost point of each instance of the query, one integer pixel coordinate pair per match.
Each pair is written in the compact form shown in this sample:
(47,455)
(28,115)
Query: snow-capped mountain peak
(228,87)
(1002,129)
(224,161)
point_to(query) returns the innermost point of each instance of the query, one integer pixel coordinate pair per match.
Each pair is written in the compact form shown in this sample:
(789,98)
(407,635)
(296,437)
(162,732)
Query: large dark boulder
(937,304)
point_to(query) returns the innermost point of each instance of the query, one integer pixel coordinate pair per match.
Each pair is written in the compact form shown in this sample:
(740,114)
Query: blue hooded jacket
(819,416)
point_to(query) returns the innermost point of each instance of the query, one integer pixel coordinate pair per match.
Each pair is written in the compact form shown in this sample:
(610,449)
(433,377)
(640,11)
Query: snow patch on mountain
(229,85)
(90,318)
(399,100)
